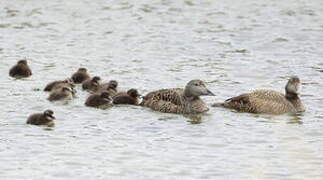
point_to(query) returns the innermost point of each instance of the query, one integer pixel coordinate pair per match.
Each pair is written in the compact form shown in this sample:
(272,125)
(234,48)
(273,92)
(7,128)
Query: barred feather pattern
(173,101)
(264,101)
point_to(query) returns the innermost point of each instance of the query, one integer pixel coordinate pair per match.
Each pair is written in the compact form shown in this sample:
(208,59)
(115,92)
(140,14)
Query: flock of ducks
(177,100)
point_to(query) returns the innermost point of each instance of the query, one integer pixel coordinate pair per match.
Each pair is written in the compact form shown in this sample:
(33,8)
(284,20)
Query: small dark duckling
(80,76)
(96,100)
(131,97)
(111,87)
(20,70)
(63,93)
(56,84)
(91,84)
(45,118)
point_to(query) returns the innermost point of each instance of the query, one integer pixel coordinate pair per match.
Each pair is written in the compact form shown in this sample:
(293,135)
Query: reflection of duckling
(45,118)
(111,87)
(55,84)
(91,84)
(20,70)
(80,76)
(63,93)
(268,101)
(131,97)
(179,100)
(96,100)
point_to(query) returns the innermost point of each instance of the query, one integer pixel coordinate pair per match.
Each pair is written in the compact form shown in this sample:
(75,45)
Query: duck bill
(52,117)
(209,93)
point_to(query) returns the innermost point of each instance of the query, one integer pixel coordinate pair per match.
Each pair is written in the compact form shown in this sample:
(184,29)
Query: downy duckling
(45,118)
(80,76)
(20,70)
(131,97)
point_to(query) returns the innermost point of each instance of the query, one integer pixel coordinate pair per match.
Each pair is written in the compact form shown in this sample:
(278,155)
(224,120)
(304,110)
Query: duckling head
(106,96)
(113,84)
(82,70)
(22,62)
(49,114)
(133,93)
(196,88)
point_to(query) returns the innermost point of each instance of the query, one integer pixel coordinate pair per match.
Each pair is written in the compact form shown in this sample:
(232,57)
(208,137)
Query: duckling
(63,93)
(20,70)
(111,87)
(268,101)
(178,100)
(80,76)
(96,100)
(91,84)
(56,84)
(131,97)
(45,118)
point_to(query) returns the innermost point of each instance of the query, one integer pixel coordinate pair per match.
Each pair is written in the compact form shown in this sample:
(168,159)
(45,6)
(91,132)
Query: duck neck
(189,95)
(295,100)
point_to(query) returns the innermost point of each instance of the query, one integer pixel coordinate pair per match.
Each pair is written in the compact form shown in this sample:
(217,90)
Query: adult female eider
(269,101)
(20,70)
(45,118)
(130,97)
(178,100)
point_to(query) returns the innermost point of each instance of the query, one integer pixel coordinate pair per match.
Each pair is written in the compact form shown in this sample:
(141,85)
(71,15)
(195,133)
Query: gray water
(235,46)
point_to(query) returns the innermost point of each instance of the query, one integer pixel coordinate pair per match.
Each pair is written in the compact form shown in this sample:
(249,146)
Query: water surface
(235,46)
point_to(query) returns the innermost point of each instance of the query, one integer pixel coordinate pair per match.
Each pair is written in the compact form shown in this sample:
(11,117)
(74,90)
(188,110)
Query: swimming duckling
(111,87)
(178,100)
(63,93)
(45,118)
(20,70)
(268,101)
(80,76)
(131,97)
(96,100)
(91,84)
(56,84)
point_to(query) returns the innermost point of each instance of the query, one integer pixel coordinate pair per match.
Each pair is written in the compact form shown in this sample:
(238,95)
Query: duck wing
(165,100)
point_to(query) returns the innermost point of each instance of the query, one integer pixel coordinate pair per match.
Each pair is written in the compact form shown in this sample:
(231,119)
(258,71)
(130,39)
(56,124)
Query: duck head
(196,88)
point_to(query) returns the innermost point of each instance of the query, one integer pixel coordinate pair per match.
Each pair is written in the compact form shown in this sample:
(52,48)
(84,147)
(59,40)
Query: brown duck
(130,97)
(80,76)
(269,101)
(178,100)
(96,100)
(58,84)
(20,70)
(111,87)
(45,118)
(63,93)
(92,84)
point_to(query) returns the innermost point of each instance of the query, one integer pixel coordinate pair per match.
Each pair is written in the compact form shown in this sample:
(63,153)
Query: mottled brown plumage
(96,100)
(130,97)
(20,70)
(63,93)
(178,100)
(80,76)
(268,101)
(45,118)
(57,84)
(92,84)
